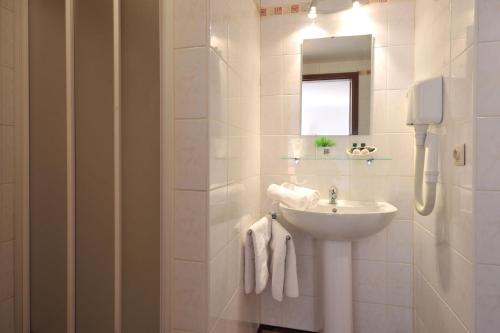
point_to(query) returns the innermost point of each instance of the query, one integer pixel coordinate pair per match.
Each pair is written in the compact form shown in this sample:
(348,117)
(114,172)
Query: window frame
(354,77)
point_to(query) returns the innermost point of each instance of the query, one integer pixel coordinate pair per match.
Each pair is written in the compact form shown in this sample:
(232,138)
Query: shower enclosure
(94,171)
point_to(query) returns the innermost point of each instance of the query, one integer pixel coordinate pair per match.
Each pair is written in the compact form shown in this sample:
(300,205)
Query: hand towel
(257,255)
(283,263)
(290,198)
(313,196)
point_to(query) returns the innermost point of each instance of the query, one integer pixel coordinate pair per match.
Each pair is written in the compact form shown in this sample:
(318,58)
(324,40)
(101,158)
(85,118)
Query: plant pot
(324,151)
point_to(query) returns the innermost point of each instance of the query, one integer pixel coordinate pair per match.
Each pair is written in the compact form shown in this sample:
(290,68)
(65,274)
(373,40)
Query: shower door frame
(166,23)
(22,208)
(21,221)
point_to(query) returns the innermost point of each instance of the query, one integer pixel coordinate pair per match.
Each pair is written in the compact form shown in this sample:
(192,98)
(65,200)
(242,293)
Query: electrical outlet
(459,155)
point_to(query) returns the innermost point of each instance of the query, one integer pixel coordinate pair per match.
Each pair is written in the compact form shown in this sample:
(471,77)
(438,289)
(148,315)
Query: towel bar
(274,216)
(249,232)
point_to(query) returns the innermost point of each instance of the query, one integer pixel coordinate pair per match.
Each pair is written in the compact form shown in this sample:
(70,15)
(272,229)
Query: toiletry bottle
(355,150)
(363,149)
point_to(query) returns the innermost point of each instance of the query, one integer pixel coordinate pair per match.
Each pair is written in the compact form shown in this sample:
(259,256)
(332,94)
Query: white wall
(443,241)
(234,201)
(217,181)
(8,71)
(487,191)
(382,264)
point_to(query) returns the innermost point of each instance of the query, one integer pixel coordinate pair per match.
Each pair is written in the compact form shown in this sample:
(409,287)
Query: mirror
(336,85)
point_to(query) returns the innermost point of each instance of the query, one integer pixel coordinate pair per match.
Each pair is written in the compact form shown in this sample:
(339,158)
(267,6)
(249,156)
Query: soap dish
(371,152)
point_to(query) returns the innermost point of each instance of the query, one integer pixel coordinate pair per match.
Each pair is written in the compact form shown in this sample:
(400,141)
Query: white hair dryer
(425,107)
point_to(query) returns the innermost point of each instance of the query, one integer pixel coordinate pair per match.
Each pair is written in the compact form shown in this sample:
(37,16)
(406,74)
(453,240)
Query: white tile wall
(487,294)
(489,25)
(190,23)
(487,227)
(369,281)
(399,320)
(190,225)
(239,314)
(399,67)
(443,241)
(432,313)
(488,87)
(401,23)
(190,296)
(234,197)
(300,312)
(191,154)
(370,317)
(462,25)
(488,153)
(487,190)
(432,18)
(449,273)
(219,15)
(382,263)
(217,162)
(191,76)
(399,241)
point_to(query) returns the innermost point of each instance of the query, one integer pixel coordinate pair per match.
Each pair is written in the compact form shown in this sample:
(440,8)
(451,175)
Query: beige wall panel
(48,165)
(94,148)
(141,165)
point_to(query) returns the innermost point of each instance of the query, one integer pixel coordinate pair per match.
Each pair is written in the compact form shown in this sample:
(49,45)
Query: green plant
(323,141)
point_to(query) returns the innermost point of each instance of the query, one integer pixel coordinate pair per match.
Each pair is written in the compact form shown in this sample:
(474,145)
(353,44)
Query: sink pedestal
(336,286)
(334,227)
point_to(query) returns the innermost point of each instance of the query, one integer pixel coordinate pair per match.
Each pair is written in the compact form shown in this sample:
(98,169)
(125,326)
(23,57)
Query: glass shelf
(337,158)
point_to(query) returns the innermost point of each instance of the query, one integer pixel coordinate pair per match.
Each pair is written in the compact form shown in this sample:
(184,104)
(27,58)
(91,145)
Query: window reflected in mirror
(336,85)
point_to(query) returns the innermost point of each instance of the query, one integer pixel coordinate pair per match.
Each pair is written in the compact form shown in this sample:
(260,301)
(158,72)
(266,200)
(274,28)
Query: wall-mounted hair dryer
(425,107)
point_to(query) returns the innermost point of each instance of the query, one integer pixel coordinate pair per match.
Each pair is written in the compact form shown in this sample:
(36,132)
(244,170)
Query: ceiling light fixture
(356,4)
(313,12)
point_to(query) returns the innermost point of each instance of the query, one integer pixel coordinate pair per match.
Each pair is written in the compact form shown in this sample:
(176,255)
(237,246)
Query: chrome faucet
(333,195)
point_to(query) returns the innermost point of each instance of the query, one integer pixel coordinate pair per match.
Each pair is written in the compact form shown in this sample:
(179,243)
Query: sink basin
(335,227)
(345,221)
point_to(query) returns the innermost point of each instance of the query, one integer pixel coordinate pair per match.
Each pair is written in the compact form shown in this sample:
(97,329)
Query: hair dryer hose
(424,206)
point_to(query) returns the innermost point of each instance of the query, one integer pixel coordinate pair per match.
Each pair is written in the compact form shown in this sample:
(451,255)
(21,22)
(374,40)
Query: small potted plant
(324,145)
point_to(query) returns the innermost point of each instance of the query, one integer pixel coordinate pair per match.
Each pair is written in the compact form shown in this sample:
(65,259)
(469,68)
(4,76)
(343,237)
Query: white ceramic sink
(345,221)
(335,227)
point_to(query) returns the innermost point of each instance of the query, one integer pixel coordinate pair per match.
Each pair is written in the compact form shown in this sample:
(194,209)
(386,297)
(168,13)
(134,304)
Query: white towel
(284,195)
(257,255)
(283,263)
(313,196)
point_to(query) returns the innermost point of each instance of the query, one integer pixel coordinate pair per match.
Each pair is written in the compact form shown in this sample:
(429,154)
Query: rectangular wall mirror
(336,85)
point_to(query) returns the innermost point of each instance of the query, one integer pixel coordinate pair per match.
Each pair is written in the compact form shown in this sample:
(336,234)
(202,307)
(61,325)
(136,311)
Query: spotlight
(313,13)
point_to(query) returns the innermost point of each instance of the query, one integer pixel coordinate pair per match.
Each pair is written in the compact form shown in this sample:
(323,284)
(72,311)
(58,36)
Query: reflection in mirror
(336,85)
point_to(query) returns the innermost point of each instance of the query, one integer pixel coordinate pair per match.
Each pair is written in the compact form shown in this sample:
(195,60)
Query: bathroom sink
(335,226)
(344,221)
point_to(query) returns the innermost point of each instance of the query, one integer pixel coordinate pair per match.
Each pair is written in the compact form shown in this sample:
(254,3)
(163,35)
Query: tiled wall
(217,162)
(443,241)
(7,179)
(487,194)
(382,264)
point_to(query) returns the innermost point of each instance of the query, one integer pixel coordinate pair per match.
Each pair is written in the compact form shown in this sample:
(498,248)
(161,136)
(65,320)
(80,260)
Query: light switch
(459,155)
